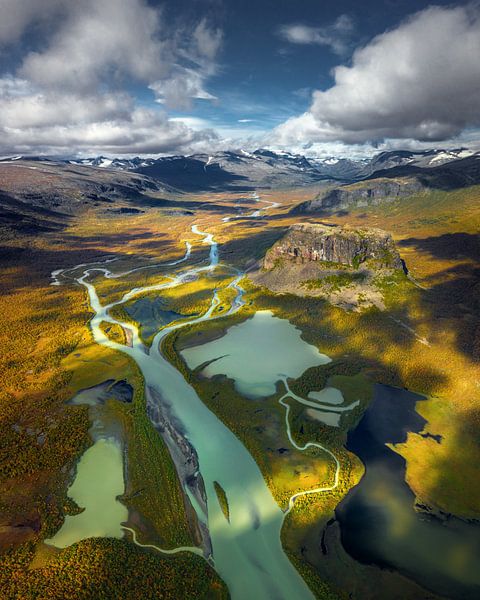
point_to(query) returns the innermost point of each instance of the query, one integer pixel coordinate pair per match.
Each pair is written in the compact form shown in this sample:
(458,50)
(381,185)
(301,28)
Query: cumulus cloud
(144,132)
(419,81)
(72,92)
(187,83)
(98,39)
(24,105)
(178,90)
(336,36)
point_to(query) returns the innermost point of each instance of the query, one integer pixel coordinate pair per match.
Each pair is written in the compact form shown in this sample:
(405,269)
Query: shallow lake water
(247,549)
(254,352)
(328,395)
(99,480)
(377,518)
(329,418)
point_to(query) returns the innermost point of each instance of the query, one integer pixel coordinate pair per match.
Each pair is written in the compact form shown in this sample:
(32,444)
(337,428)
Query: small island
(222,499)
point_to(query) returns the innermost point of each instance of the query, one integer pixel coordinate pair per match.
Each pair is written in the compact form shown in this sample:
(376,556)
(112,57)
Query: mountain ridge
(241,170)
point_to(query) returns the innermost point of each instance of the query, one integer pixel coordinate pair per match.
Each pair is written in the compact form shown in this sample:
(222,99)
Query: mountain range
(242,170)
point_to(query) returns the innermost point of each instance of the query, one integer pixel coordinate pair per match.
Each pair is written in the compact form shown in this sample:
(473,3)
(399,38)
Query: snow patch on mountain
(447,156)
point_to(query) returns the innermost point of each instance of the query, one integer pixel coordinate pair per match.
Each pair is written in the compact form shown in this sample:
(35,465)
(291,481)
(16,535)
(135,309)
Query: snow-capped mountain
(341,168)
(113,163)
(425,158)
(266,168)
(344,168)
(234,170)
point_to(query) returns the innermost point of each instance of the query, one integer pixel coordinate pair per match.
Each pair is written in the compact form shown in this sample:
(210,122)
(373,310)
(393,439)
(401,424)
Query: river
(247,551)
(377,519)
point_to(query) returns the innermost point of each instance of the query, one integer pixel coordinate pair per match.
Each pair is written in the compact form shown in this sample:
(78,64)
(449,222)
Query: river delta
(260,355)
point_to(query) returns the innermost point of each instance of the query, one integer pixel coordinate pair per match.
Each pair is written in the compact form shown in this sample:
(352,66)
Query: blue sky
(126,77)
(264,77)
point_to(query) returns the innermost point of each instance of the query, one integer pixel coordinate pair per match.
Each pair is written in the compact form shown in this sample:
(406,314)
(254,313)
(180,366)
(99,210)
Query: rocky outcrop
(307,242)
(186,463)
(360,195)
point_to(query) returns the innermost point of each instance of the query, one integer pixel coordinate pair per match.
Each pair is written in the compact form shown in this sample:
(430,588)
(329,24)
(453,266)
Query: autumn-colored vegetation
(427,339)
(107,569)
(222,499)
(49,355)
(41,436)
(114,332)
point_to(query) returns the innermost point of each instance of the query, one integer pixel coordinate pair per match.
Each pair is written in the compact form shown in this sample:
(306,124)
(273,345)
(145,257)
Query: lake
(255,352)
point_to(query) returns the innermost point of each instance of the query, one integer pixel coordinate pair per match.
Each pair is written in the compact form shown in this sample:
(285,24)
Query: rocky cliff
(308,242)
(358,195)
(392,183)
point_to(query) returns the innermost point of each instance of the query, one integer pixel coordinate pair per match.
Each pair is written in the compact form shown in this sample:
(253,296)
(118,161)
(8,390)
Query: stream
(246,549)
(378,523)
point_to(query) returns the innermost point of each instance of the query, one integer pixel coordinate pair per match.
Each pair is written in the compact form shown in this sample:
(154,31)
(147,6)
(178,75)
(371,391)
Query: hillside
(240,170)
(339,281)
(396,182)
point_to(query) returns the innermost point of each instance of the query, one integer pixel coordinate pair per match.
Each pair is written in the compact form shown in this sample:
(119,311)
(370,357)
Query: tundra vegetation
(426,338)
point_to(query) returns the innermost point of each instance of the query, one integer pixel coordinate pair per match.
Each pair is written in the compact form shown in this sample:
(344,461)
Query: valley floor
(51,356)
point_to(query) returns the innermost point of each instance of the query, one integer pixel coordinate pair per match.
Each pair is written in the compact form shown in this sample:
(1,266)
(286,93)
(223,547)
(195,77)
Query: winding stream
(247,551)
(327,488)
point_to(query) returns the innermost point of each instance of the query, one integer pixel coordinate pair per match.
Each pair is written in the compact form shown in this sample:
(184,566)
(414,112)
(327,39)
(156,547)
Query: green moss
(395,288)
(357,259)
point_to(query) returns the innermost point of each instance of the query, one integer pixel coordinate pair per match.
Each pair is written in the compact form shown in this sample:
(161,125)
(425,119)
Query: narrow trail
(419,338)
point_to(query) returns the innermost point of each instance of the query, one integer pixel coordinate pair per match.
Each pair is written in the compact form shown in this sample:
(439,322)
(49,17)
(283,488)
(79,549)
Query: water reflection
(378,521)
(98,482)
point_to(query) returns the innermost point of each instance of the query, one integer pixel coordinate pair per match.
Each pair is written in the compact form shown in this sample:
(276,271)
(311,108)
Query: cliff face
(374,192)
(307,242)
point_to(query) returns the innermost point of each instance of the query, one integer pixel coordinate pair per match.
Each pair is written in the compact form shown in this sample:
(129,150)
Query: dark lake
(378,520)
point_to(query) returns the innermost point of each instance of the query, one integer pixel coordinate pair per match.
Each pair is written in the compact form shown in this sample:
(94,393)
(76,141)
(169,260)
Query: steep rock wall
(305,242)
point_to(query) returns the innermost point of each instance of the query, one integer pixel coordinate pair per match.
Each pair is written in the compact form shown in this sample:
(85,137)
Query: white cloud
(207,41)
(418,81)
(99,39)
(180,88)
(24,105)
(193,122)
(336,36)
(72,93)
(185,83)
(144,132)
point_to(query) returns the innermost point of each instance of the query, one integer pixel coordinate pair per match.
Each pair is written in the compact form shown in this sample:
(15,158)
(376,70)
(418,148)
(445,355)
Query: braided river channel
(245,549)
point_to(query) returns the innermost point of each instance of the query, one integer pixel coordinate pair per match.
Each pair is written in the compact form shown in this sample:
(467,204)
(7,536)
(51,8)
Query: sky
(316,77)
